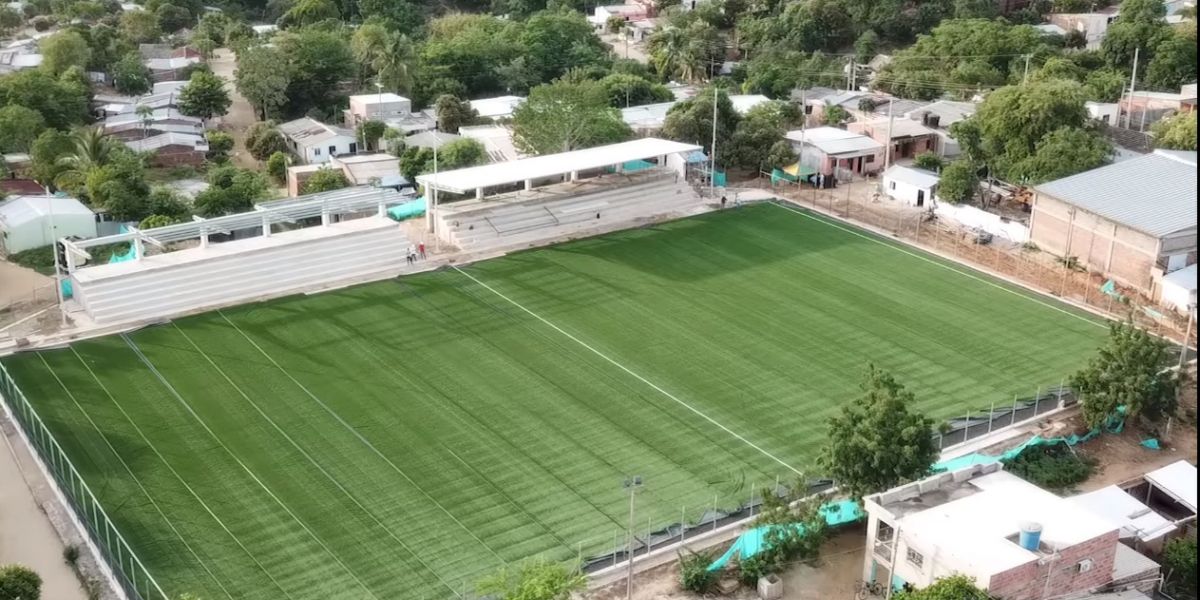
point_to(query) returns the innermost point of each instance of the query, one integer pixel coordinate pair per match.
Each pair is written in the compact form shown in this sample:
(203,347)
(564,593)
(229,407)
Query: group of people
(416,253)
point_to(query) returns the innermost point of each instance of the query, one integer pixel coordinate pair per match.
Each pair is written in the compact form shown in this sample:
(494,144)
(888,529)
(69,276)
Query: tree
(1130,371)
(959,182)
(795,529)
(324,180)
(119,186)
(955,587)
(230,190)
(533,580)
(875,443)
(517,76)
(370,132)
(630,90)
(166,202)
(10,19)
(865,46)
(172,18)
(261,77)
(1174,63)
(781,155)
(317,60)
(140,26)
(453,113)
(383,54)
(460,153)
(691,120)
(309,12)
(277,166)
(400,15)
(1139,24)
(1179,562)
(555,41)
(929,161)
(1104,85)
(1177,132)
(463,53)
(1063,152)
(62,101)
(204,96)
(19,127)
(19,583)
(90,150)
(156,220)
(561,116)
(264,139)
(754,135)
(835,115)
(64,50)
(685,54)
(51,145)
(131,76)
(220,144)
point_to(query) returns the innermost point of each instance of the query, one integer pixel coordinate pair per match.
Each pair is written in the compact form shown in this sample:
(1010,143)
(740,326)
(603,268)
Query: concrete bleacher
(228,273)
(528,218)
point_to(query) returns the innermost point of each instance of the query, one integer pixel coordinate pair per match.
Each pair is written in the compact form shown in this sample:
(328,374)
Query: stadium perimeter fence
(126,569)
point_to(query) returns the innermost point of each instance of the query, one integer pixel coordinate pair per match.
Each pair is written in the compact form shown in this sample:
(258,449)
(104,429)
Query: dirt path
(18,284)
(241,114)
(26,536)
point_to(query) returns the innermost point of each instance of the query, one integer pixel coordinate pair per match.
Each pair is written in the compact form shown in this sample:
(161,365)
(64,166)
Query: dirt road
(241,114)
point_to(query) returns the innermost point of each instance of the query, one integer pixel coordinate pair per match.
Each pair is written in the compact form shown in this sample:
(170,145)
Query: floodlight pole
(431,193)
(712,172)
(631,484)
(58,291)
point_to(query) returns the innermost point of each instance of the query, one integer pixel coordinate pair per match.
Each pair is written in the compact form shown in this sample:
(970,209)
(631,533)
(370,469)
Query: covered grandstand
(280,247)
(524,202)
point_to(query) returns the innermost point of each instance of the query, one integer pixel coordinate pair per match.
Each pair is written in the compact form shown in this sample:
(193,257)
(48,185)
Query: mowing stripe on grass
(631,372)
(146,361)
(360,436)
(186,485)
(938,263)
(135,479)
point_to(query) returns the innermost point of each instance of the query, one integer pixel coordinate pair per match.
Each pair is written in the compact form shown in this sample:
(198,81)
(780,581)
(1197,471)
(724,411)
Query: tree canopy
(955,587)
(691,120)
(19,583)
(875,442)
(1131,371)
(204,96)
(564,116)
(1177,132)
(324,180)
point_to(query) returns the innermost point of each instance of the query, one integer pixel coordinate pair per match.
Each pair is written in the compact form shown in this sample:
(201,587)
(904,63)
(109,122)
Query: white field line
(361,438)
(174,392)
(940,264)
(622,367)
(162,458)
(135,479)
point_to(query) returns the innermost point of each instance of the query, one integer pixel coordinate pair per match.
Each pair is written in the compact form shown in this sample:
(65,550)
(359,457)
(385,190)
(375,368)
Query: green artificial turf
(405,438)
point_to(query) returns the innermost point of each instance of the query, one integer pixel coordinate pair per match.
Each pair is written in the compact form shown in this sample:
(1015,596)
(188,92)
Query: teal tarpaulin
(754,541)
(407,210)
(1114,424)
(122,257)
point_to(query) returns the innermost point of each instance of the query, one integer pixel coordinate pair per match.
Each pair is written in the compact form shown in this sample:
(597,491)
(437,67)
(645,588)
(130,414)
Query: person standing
(421,250)
(722,201)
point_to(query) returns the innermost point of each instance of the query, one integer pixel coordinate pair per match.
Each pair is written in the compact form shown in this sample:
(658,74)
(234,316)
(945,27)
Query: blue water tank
(1030,536)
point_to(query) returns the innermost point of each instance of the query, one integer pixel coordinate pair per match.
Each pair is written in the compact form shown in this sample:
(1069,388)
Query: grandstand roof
(461,181)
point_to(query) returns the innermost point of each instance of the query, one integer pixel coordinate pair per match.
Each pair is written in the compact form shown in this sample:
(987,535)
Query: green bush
(1054,467)
(19,583)
(71,555)
(694,575)
(1179,564)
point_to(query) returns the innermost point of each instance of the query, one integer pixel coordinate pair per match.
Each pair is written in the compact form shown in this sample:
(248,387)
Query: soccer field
(404,438)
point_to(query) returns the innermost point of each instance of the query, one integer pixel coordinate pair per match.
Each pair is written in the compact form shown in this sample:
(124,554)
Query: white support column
(528,184)
(574,175)
(619,168)
(479,193)
(266,226)
(324,218)
(203,238)
(138,250)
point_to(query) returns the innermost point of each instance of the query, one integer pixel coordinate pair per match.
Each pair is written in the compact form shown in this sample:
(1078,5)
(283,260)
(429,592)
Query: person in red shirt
(421,250)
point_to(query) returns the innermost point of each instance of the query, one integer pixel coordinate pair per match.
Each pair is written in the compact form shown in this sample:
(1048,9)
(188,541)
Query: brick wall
(176,156)
(1059,576)
(1102,245)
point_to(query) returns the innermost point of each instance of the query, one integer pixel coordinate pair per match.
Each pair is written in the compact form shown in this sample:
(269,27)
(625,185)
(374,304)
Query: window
(316,151)
(870,158)
(332,150)
(914,558)
(892,184)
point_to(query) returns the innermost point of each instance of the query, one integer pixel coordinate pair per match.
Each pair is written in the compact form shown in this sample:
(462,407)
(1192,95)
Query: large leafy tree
(19,127)
(555,41)
(140,26)
(64,50)
(1174,62)
(1177,132)
(466,50)
(262,77)
(564,116)
(1139,25)
(324,180)
(533,580)
(959,182)
(264,139)
(453,113)
(875,442)
(51,145)
(204,96)
(756,133)
(625,89)
(317,61)
(90,151)
(691,120)
(1063,152)
(686,53)
(231,190)
(131,76)
(1130,371)
(400,16)
(309,12)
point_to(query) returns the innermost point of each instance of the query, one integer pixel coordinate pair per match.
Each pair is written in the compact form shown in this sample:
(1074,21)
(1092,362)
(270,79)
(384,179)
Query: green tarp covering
(408,210)
(752,542)
(1114,424)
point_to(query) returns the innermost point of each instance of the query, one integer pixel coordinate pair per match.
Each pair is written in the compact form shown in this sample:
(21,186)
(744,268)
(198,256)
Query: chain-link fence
(127,569)
(1021,263)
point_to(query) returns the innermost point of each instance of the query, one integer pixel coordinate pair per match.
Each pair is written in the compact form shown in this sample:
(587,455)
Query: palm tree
(394,61)
(677,54)
(92,150)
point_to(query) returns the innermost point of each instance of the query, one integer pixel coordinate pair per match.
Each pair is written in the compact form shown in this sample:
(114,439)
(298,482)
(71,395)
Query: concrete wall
(1124,254)
(178,155)
(1061,575)
(907,192)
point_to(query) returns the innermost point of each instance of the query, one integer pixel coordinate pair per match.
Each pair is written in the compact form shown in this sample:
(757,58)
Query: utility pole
(631,484)
(887,155)
(431,191)
(1132,83)
(712,173)
(58,284)
(850,77)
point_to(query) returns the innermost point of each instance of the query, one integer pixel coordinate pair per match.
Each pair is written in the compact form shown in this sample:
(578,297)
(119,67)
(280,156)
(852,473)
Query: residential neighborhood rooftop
(833,141)
(1178,478)
(1115,504)
(498,107)
(912,176)
(307,131)
(1155,193)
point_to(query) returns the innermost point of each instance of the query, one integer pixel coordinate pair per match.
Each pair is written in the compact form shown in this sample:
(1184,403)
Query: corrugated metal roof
(1154,194)
(914,177)
(834,141)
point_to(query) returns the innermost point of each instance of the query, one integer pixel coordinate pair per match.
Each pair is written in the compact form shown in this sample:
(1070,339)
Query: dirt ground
(17,283)
(26,536)
(241,114)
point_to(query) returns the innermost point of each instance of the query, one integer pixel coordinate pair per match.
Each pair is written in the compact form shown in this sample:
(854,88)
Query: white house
(376,107)
(500,107)
(1108,113)
(914,187)
(1179,289)
(25,221)
(314,142)
(830,150)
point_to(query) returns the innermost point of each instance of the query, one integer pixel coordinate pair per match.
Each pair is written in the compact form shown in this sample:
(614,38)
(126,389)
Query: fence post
(682,524)
(991,416)
(715,512)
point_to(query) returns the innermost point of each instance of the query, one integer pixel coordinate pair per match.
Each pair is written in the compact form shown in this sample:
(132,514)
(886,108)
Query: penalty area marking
(635,375)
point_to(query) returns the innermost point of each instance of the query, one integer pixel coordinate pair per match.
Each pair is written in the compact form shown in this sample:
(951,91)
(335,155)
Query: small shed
(914,187)
(1179,288)
(25,221)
